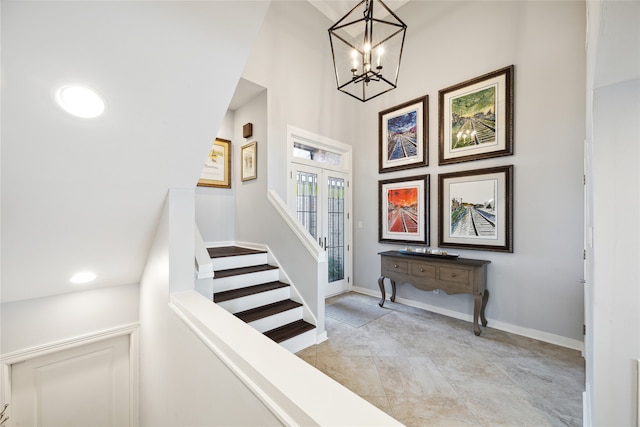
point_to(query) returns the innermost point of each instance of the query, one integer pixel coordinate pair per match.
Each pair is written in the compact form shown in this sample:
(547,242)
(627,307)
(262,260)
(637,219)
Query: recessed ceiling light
(83,277)
(80,101)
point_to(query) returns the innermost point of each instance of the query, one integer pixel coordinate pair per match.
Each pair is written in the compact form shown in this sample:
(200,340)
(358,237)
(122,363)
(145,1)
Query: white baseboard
(496,324)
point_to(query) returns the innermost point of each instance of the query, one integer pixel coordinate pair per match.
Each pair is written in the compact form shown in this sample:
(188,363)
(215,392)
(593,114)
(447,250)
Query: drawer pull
(453,274)
(395,265)
(421,270)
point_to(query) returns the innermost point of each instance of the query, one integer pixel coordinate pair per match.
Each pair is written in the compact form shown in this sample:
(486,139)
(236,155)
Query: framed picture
(249,161)
(476,118)
(403,210)
(476,209)
(217,168)
(403,133)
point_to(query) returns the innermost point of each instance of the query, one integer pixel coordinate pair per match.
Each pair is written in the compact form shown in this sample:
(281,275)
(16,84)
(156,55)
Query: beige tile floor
(425,369)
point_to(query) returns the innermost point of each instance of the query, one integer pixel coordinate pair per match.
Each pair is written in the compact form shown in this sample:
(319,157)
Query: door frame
(296,135)
(132,330)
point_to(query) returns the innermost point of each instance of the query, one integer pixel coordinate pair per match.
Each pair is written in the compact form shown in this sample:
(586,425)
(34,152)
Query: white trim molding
(132,329)
(495,324)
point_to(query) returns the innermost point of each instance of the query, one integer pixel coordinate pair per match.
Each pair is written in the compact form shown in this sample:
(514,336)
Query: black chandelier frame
(369,74)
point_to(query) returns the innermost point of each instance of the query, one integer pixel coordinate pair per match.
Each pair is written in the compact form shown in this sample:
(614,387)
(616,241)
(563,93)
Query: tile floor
(426,369)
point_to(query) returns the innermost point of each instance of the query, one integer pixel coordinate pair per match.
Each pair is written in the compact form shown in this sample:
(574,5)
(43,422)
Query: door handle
(320,241)
(325,243)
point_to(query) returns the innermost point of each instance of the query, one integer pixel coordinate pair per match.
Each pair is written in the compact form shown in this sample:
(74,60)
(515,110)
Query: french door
(321,201)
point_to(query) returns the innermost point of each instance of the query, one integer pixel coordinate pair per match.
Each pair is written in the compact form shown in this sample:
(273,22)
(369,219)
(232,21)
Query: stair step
(227,251)
(291,330)
(249,290)
(267,310)
(242,270)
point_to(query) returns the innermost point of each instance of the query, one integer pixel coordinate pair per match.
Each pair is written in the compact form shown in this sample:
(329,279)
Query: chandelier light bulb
(356,38)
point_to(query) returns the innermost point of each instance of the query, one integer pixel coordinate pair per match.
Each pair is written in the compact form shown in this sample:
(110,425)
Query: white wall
(181,381)
(292,59)
(613,283)
(60,318)
(215,207)
(616,318)
(536,290)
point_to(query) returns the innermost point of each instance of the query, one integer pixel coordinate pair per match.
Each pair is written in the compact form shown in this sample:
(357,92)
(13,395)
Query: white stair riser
(244,280)
(229,262)
(256,300)
(205,287)
(300,342)
(276,320)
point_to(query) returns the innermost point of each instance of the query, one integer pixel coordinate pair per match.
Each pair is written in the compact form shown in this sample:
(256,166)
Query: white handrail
(294,391)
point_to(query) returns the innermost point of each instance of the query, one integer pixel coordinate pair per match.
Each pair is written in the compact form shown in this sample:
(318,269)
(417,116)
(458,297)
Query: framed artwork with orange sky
(404,210)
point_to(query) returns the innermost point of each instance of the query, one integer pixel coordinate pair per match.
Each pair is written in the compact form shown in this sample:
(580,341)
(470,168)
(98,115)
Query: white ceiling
(86,194)
(336,9)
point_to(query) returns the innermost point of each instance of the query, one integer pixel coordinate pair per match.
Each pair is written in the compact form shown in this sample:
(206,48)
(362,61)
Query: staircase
(246,285)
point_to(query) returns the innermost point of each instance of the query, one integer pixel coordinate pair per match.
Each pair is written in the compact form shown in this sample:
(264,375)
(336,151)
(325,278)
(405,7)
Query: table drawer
(393,265)
(457,275)
(423,270)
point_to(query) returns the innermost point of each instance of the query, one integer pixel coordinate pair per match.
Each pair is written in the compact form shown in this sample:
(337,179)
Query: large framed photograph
(403,133)
(217,168)
(476,209)
(404,210)
(476,118)
(249,161)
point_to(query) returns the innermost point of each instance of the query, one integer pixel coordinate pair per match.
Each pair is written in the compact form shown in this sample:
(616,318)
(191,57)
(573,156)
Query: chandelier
(366,45)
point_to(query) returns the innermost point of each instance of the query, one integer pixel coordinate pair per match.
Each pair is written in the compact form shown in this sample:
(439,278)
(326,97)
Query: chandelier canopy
(366,45)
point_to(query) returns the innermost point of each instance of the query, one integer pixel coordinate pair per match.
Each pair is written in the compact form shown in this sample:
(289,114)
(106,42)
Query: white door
(321,206)
(82,386)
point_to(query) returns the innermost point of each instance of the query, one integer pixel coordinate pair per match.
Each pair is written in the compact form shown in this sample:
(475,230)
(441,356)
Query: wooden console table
(429,272)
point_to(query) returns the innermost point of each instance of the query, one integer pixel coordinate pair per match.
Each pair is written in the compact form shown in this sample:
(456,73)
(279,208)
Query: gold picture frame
(217,168)
(249,161)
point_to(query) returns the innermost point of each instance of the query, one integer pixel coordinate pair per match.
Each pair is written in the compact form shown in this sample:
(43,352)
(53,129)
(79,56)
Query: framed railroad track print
(403,210)
(476,118)
(403,136)
(476,209)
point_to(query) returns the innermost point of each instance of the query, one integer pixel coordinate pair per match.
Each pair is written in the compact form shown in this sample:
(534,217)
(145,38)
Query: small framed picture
(217,168)
(403,133)
(476,118)
(249,161)
(476,209)
(403,210)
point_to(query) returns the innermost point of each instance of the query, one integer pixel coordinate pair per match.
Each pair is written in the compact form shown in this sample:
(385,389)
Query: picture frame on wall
(217,167)
(403,210)
(476,118)
(476,209)
(403,136)
(249,161)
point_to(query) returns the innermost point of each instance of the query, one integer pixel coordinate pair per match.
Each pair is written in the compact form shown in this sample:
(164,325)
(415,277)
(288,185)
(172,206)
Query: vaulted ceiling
(86,194)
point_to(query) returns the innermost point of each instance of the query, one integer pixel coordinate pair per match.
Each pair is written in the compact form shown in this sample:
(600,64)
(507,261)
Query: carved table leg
(393,290)
(485,298)
(381,284)
(476,310)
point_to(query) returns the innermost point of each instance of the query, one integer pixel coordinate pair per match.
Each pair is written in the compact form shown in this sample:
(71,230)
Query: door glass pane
(308,152)
(307,201)
(335,232)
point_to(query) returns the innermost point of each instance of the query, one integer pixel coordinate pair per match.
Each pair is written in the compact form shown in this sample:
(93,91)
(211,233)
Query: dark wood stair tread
(267,310)
(243,270)
(246,291)
(290,330)
(226,251)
